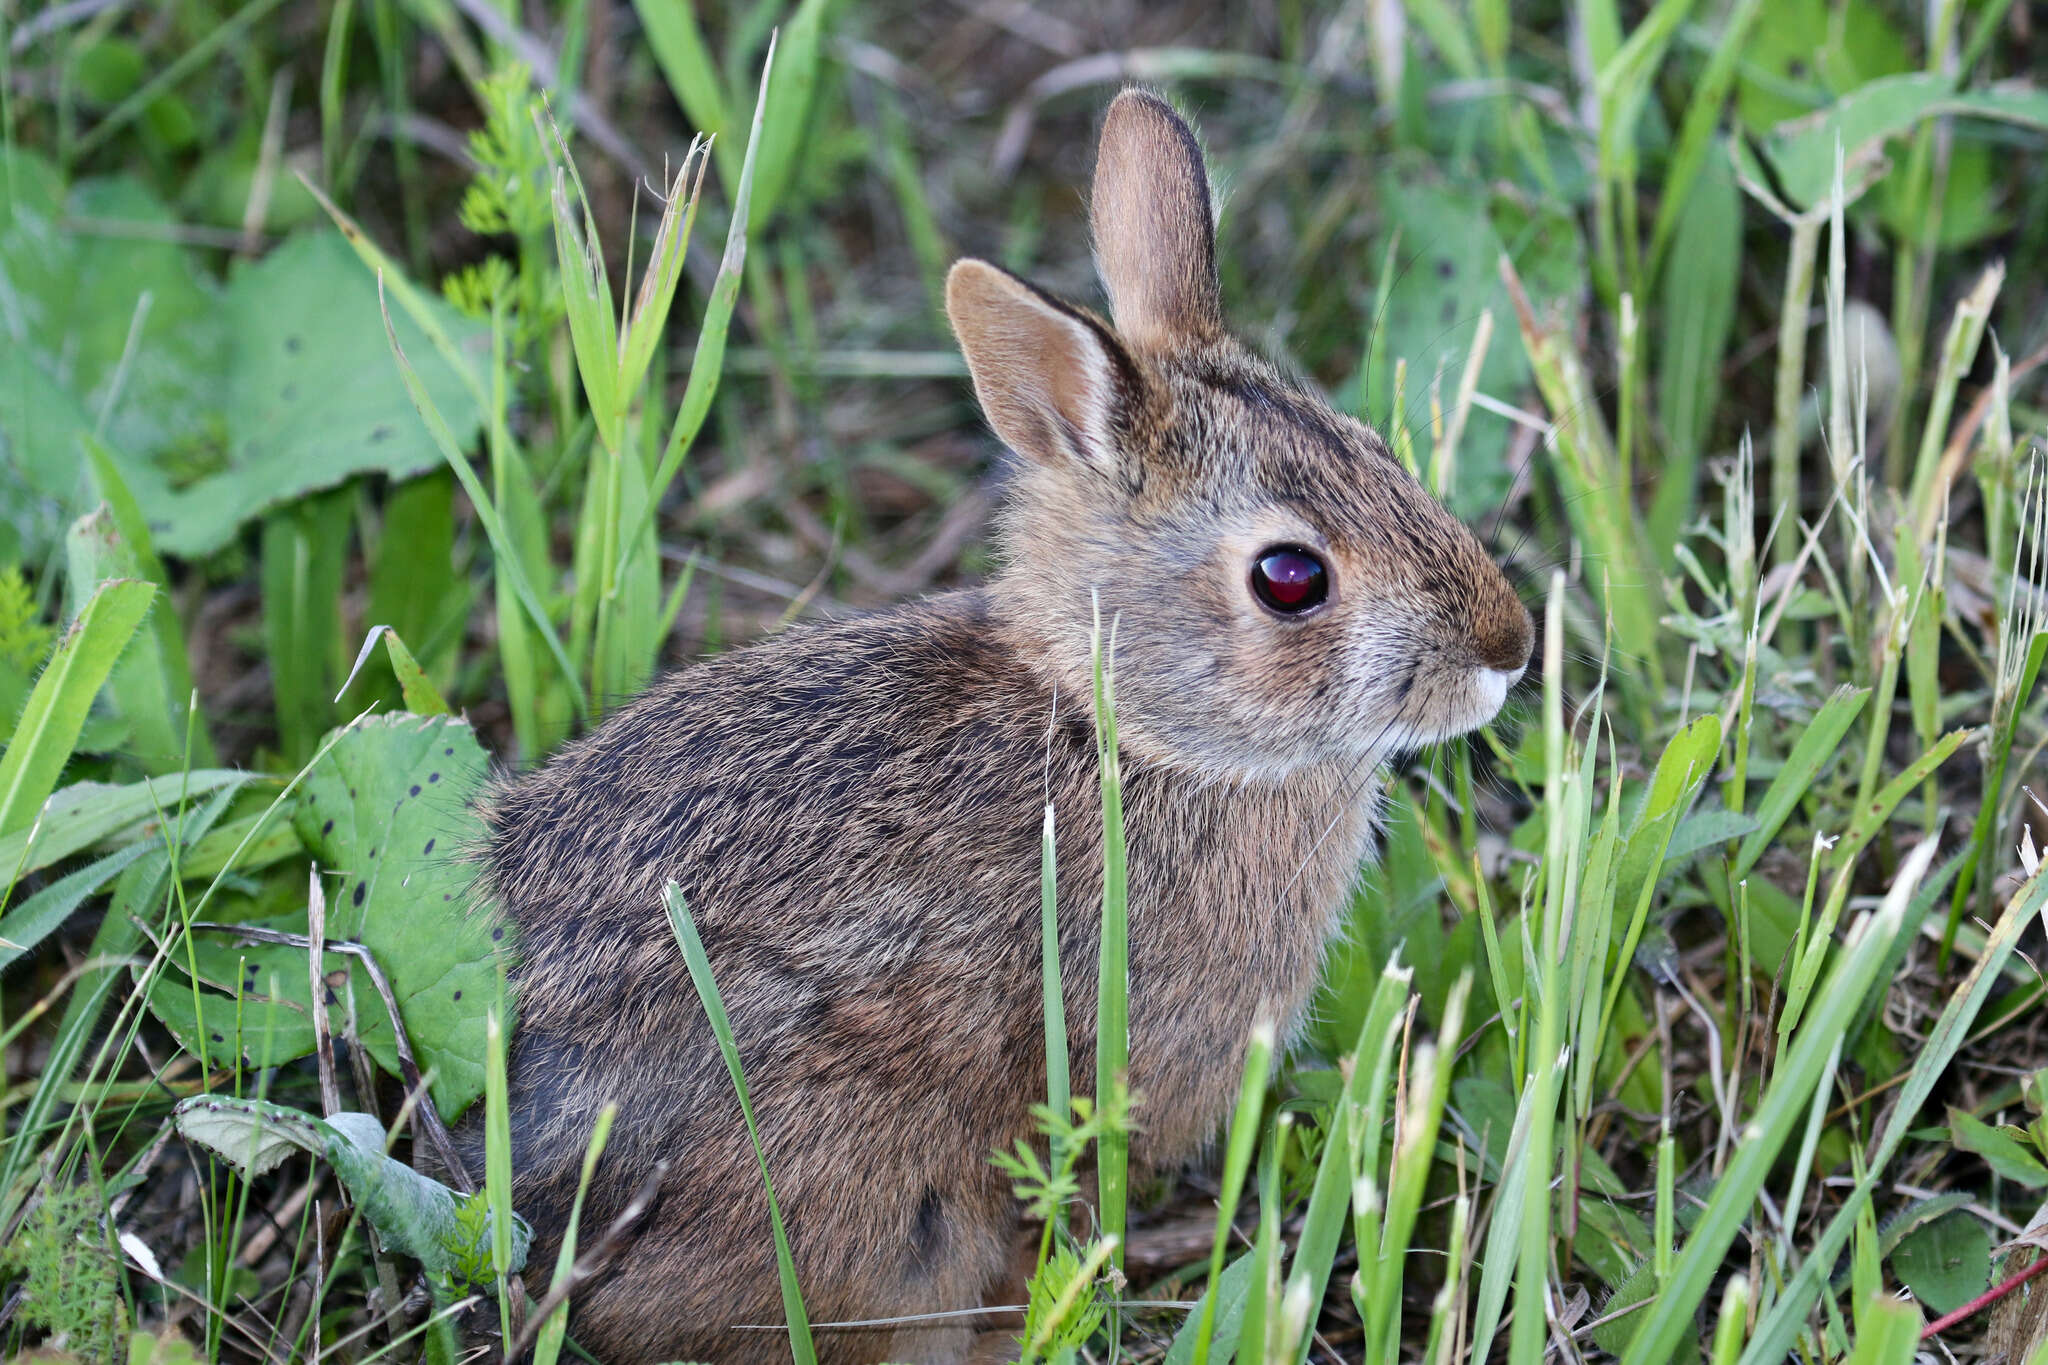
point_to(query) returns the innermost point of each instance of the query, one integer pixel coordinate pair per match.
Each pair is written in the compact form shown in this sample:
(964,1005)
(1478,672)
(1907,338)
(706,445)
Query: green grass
(1689,1011)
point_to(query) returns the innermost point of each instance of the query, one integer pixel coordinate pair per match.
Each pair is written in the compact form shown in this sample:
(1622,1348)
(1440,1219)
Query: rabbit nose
(1504,637)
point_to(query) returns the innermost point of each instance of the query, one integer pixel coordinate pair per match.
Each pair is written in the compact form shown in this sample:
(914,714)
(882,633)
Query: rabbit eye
(1290,580)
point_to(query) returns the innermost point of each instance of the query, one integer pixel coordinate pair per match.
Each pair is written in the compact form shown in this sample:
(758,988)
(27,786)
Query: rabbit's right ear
(1055,384)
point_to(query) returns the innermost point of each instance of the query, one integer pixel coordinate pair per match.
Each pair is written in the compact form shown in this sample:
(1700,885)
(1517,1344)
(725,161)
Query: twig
(430,1118)
(1986,1299)
(323,1030)
(615,1238)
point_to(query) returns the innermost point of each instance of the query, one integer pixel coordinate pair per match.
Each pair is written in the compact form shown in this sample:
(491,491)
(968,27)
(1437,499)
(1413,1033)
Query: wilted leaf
(413,1214)
(255,1135)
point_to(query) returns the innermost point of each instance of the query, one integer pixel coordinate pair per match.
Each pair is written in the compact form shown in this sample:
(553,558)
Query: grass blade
(56,709)
(685,930)
(1777,1115)
(1819,744)
(1245,1126)
(1113,985)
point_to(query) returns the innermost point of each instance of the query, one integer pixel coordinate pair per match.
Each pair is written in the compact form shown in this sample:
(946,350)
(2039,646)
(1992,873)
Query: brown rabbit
(854,812)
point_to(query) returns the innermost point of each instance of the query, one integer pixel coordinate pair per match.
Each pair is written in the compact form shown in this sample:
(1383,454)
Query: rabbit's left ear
(1155,238)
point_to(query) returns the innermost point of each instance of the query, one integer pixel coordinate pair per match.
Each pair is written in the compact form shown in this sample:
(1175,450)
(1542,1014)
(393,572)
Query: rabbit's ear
(1056,386)
(1155,240)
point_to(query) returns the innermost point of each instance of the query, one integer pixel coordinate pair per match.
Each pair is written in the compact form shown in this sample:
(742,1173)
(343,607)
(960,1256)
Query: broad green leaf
(168,405)
(1945,1263)
(313,397)
(1803,152)
(255,1135)
(2004,1149)
(1806,50)
(56,710)
(386,814)
(41,476)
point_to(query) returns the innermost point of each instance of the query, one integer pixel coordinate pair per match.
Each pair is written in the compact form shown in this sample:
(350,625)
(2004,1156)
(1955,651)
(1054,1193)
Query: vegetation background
(388,387)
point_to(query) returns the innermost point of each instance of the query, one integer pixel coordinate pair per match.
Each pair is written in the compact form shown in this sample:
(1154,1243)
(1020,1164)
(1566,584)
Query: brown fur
(854,812)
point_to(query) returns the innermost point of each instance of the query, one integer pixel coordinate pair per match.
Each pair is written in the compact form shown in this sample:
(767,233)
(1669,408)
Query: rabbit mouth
(1485,692)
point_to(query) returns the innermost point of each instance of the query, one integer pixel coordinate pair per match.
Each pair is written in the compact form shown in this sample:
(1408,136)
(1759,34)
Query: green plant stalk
(1912,283)
(1732,1322)
(1702,120)
(1349,1168)
(1864,826)
(1112,1000)
(1543,1080)
(685,930)
(1958,355)
(1881,713)
(2004,732)
(547,1345)
(1058,1077)
(516,506)
(1781,1107)
(1734,792)
(1414,1152)
(1599,507)
(498,1163)
(133,525)
(1791,380)
(1262,1298)
(1449,1298)
(1244,1135)
(708,361)
(1782,1322)
(333,80)
(486,512)
(55,713)
(1496,961)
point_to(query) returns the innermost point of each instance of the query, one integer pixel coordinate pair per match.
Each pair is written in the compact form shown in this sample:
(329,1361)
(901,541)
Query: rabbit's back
(854,812)
(847,809)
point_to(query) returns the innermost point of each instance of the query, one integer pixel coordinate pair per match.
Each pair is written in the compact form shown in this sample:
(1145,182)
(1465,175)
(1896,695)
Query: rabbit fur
(854,811)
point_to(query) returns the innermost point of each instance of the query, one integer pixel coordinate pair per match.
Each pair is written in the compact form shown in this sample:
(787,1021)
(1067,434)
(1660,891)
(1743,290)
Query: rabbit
(853,810)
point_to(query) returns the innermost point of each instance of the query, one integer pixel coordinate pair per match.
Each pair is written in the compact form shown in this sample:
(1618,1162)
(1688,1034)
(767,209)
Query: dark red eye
(1290,580)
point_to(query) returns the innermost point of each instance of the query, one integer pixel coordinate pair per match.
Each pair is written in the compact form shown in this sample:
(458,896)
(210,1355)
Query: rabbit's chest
(1228,924)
